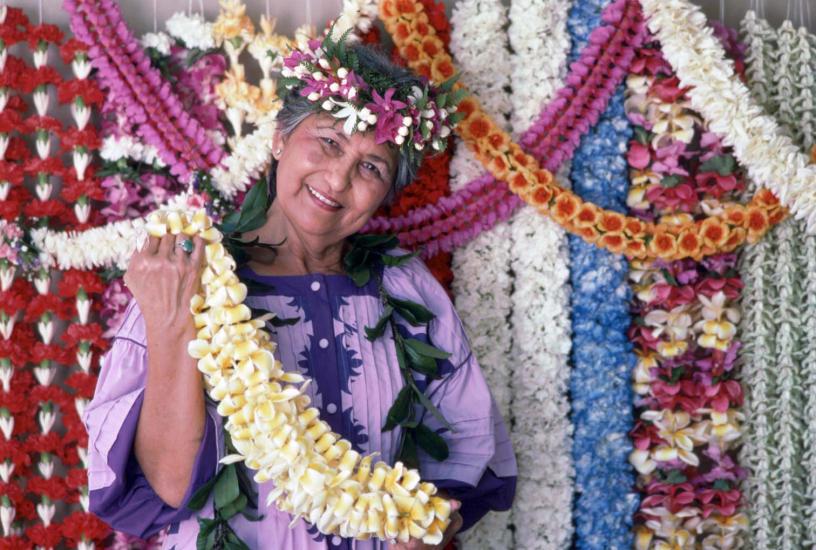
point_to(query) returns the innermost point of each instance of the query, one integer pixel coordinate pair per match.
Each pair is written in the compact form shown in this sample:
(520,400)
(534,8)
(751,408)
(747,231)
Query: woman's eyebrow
(379,159)
(333,127)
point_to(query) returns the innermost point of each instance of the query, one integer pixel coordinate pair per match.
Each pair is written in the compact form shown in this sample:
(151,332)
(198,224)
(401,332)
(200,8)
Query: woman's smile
(323,201)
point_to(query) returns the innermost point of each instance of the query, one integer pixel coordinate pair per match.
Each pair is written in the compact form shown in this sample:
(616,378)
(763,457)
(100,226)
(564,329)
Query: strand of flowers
(539,318)
(769,156)
(778,437)
(481,285)
(160,117)
(602,357)
(684,330)
(722,231)
(432,182)
(587,92)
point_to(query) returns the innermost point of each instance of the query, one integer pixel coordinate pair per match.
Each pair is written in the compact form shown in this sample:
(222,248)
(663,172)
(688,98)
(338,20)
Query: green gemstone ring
(186,245)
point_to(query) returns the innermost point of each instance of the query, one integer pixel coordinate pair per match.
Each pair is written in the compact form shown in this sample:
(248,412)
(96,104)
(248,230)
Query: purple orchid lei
(552,139)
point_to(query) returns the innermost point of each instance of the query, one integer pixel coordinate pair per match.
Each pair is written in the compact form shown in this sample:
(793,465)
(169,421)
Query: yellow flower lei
(417,42)
(317,475)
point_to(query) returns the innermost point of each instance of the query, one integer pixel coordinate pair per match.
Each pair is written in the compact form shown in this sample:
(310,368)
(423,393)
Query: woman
(154,438)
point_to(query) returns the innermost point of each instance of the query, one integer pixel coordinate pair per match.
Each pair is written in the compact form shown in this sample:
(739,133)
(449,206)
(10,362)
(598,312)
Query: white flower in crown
(356,119)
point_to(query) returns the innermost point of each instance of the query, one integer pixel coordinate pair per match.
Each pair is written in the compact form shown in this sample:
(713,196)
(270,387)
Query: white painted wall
(291,13)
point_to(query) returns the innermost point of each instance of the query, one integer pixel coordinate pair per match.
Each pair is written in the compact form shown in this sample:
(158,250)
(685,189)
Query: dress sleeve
(481,467)
(119,492)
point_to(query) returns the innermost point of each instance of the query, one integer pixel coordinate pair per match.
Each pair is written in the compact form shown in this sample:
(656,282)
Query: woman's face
(328,183)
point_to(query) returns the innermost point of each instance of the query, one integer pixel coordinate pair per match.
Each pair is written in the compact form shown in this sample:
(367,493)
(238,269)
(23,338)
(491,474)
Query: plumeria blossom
(679,433)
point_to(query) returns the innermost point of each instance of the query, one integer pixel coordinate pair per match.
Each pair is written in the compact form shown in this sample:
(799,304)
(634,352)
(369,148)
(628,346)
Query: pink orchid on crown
(328,74)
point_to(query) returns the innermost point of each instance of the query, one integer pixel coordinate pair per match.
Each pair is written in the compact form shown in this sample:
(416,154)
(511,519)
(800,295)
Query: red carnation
(15,542)
(11,172)
(14,350)
(16,103)
(37,122)
(10,121)
(70,49)
(15,298)
(15,452)
(15,71)
(17,150)
(79,525)
(39,77)
(87,89)
(15,17)
(50,165)
(12,491)
(44,32)
(44,443)
(50,394)
(45,537)
(53,487)
(46,303)
(92,332)
(74,189)
(48,209)
(50,352)
(74,279)
(10,35)
(83,383)
(70,454)
(77,478)
(74,137)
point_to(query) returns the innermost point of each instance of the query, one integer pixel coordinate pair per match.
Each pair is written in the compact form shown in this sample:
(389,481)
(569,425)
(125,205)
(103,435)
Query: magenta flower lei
(149,103)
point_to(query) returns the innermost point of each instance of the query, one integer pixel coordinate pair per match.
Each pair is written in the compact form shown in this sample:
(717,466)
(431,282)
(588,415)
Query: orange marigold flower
(388,8)
(402,31)
(587,214)
(663,245)
(517,182)
(541,196)
(566,206)
(431,46)
(778,215)
(633,226)
(478,127)
(521,158)
(614,242)
(589,234)
(765,196)
(635,249)
(407,7)
(757,221)
(467,107)
(411,52)
(714,232)
(423,68)
(544,177)
(498,140)
(736,238)
(689,243)
(735,215)
(499,167)
(442,69)
(612,222)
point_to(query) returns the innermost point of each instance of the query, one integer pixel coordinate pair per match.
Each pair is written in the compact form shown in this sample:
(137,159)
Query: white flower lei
(482,283)
(540,317)
(193,30)
(779,367)
(699,61)
(159,41)
(115,148)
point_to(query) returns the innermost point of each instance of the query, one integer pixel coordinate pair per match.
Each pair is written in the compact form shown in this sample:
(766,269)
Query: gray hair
(297,108)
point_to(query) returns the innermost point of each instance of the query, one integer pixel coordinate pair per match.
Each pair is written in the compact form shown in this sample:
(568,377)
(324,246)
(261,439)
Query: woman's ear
(277,145)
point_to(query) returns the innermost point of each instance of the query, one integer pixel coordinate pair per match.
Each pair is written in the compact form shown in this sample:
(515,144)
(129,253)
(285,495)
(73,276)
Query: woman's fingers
(166,246)
(152,246)
(197,257)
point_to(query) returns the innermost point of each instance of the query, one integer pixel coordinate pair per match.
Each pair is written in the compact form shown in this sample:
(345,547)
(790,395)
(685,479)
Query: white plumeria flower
(674,323)
(159,41)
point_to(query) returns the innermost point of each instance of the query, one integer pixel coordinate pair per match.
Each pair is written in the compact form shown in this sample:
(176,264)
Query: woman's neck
(298,254)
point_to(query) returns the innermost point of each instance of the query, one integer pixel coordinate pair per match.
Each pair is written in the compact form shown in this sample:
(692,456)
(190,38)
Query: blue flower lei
(602,355)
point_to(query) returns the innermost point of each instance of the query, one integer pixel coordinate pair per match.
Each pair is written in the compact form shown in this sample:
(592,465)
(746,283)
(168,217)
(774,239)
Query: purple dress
(355,383)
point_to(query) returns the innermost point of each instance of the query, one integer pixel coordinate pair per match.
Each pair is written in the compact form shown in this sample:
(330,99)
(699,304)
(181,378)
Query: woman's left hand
(453,528)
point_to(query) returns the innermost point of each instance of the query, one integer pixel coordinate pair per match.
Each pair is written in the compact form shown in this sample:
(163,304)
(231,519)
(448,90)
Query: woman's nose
(340,175)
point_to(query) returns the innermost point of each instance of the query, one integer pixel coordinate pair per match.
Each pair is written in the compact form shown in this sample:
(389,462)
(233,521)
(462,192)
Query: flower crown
(329,74)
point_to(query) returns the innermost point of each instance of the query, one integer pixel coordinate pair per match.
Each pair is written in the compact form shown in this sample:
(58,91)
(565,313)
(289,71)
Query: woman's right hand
(163,279)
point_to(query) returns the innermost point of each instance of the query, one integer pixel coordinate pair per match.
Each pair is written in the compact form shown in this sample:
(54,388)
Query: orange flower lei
(417,42)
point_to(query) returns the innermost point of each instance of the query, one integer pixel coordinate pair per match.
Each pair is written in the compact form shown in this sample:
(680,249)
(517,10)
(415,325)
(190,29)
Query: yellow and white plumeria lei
(771,158)
(316,474)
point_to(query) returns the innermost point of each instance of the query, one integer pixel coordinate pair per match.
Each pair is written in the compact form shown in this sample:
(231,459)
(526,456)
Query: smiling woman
(391,368)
